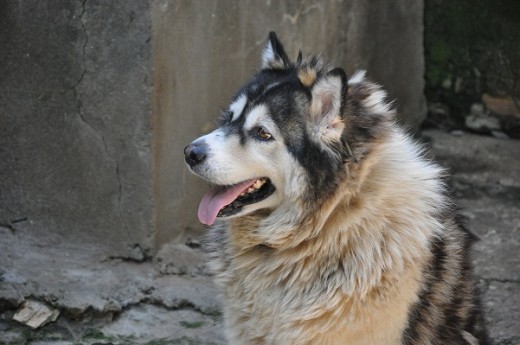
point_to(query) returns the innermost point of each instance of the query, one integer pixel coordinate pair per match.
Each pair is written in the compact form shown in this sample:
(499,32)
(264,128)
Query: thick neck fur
(383,216)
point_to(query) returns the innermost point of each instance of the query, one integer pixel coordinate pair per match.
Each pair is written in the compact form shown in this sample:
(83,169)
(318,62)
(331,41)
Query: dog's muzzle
(195,153)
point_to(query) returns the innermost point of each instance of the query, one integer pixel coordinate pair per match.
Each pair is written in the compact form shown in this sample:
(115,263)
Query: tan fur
(307,76)
(371,239)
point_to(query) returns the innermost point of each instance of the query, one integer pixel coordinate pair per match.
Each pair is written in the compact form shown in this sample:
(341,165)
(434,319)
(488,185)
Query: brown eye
(262,134)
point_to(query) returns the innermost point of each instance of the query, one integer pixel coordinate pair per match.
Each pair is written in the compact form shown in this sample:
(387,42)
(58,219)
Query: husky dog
(329,224)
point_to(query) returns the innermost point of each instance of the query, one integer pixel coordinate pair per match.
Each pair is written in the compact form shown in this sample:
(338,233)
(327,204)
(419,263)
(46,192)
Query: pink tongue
(213,201)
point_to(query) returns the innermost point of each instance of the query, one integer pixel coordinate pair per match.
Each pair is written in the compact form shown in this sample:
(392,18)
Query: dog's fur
(358,243)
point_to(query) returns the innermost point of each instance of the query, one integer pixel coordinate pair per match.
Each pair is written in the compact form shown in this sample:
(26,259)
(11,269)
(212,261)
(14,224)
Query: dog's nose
(194,154)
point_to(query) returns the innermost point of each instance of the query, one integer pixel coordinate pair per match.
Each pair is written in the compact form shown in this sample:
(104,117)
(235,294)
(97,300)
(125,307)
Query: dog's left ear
(328,97)
(274,55)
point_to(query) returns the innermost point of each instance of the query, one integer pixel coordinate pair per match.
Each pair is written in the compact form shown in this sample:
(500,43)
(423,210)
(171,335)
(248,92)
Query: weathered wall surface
(88,149)
(204,50)
(386,39)
(74,120)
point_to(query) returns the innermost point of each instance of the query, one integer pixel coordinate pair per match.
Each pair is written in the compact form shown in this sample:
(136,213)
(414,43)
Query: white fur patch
(255,116)
(268,55)
(376,102)
(237,107)
(358,77)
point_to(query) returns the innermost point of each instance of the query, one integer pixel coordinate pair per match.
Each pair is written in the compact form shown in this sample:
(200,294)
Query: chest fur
(308,299)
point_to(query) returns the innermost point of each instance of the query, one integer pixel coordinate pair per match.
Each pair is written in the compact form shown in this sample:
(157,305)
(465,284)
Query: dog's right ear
(328,95)
(274,55)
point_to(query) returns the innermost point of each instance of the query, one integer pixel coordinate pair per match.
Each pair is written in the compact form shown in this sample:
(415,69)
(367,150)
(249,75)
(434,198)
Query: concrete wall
(386,38)
(74,120)
(98,99)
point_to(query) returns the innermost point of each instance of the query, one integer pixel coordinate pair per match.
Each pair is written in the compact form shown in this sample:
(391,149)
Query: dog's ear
(274,55)
(328,97)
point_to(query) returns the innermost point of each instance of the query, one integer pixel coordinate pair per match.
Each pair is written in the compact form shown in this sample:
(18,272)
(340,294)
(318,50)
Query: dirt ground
(170,299)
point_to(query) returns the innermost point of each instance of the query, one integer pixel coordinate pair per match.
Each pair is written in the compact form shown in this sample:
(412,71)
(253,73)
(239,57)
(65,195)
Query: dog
(329,225)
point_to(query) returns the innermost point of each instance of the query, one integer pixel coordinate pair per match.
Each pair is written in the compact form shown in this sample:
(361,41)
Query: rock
(137,253)
(146,324)
(502,105)
(507,112)
(35,314)
(477,109)
(179,259)
(482,124)
(479,121)
(13,337)
(60,342)
(498,116)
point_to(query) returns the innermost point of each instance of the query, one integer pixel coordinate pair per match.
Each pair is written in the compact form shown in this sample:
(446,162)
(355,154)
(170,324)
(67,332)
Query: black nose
(194,154)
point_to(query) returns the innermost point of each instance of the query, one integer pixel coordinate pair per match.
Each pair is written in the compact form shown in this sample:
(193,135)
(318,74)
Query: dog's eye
(261,133)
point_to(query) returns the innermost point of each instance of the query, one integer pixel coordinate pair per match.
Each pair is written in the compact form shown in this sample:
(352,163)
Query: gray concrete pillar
(75,107)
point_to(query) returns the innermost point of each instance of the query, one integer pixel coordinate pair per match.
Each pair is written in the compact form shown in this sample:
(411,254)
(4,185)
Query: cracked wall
(88,151)
(74,128)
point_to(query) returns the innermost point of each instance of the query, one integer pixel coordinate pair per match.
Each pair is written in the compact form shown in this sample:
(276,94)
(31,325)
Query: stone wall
(98,99)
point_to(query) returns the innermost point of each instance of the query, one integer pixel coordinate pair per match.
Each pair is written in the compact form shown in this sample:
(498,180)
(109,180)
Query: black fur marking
(299,58)
(462,221)
(278,48)
(235,128)
(460,310)
(474,322)
(418,314)
(344,85)
(322,169)
(362,127)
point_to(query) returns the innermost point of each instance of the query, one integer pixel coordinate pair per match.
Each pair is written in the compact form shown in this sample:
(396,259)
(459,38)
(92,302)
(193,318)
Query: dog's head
(287,135)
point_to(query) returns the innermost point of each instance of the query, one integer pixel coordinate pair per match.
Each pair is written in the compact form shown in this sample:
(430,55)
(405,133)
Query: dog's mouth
(225,201)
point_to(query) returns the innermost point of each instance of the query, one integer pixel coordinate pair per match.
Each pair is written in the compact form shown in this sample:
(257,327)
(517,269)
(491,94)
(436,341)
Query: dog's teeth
(259,183)
(254,187)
